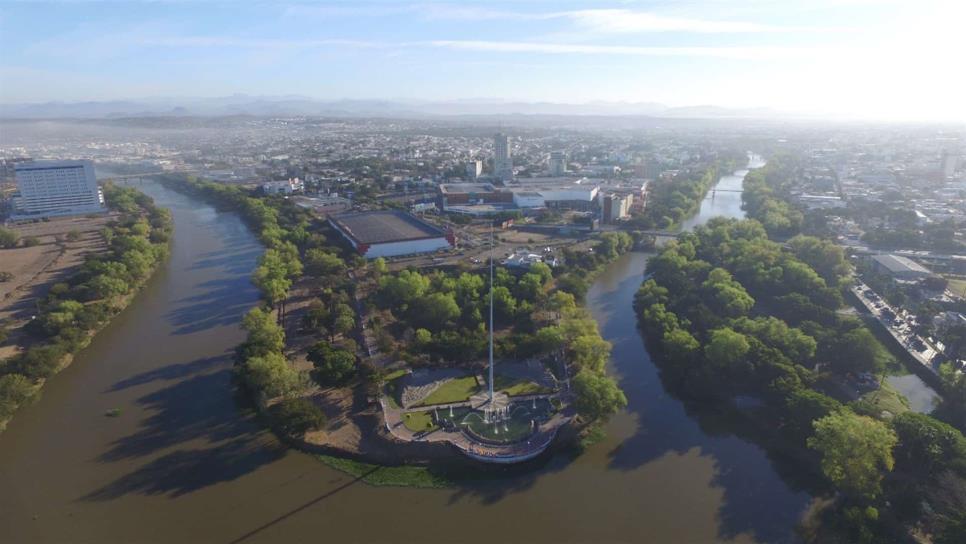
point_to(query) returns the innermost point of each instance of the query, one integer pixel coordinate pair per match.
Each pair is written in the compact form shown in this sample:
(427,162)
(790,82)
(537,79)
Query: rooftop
(897,263)
(377,227)
(466,188)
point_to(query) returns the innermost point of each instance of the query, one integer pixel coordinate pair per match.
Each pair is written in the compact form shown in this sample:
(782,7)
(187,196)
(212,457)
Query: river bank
(183,463)
(82,303)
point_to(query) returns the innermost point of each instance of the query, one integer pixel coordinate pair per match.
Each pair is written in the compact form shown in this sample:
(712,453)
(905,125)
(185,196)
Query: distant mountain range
(300,105)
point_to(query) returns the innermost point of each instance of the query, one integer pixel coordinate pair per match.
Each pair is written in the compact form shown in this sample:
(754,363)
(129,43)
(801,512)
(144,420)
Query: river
(183,463)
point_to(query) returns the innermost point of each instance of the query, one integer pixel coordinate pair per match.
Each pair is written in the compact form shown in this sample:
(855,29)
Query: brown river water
(183,462)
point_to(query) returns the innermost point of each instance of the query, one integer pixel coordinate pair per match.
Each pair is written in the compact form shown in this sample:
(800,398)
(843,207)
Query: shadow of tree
(212,441)
(217,306)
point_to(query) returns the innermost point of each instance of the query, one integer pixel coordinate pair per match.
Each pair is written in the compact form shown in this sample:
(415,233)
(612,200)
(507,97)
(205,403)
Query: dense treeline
(287,233)
(765,197)
(731,313)
(281,226)
(74,309)
(672,200)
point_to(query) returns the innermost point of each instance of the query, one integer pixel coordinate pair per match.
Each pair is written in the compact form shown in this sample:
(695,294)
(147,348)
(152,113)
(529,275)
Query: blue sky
(862,58)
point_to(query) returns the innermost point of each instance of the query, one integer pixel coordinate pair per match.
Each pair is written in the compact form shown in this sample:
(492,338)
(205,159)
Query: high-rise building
(474,169)
(949,164)
(51,188)
(558,163)
(614,207)
(502,159)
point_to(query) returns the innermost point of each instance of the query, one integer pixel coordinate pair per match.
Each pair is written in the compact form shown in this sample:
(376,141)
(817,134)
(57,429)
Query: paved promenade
(535,444)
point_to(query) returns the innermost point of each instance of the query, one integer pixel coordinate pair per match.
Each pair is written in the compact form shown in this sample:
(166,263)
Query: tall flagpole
(491,313)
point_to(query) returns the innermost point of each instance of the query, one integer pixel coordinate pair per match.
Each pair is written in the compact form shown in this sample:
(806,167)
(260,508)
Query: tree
(38,362)
(504,305)
(563,303)
(857,350)
(8,238)
(264,334)
(529,287)
(927,444)
(435,312)
(680,346)
(543,270)
(380,267)
(826,258)
(726,347)
(855,451)
(597,396)
(343,324)
(400,290)
(296,416)
(15,391)
(272,376)
(726,295)
(332,366)
(548,339)
(423,337)
(804,407)
(590,351)
(139,264)
(323,263)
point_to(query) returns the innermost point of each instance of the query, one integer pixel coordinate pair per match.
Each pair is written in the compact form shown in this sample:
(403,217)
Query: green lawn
(408,476)
(517,387)
(419,421)
(957,285)
(392,386)
(885,398)
(455,390)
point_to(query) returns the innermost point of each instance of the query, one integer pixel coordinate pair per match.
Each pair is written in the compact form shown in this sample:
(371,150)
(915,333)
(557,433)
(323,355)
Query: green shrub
(8,238)
(295,417)
(38,362)
(15,391)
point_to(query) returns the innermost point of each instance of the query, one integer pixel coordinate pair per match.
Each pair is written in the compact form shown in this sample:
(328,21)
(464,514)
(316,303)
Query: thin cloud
(738,52)
(257,43)
(624,21)
(605,21)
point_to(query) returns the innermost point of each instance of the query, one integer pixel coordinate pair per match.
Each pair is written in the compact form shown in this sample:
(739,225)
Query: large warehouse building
(900,267)
(390,233)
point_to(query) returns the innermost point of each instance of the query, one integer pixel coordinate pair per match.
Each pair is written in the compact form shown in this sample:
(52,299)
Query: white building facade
(502,157)
(55,188)
(557,163)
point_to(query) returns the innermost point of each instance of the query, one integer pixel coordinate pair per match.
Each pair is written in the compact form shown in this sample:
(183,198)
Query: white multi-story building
(52,188)
(614,207)
(284,187)
(502,157)
(474,169)
(557,163)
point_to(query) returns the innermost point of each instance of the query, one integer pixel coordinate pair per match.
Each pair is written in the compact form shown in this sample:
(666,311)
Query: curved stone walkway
(535,444)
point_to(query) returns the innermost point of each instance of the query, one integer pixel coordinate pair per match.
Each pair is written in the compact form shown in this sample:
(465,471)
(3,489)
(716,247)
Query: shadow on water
(214,443)
(218,305)
(309,504)
(233,263)
(490,484)
(764,495)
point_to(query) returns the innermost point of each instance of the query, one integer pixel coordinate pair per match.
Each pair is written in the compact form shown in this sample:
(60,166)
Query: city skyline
(846,59)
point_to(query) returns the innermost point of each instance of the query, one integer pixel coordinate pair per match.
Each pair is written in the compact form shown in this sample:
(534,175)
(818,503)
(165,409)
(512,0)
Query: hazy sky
(863,58)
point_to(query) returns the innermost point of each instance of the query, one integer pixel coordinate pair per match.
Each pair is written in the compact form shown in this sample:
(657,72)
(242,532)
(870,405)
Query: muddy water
(183,463)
